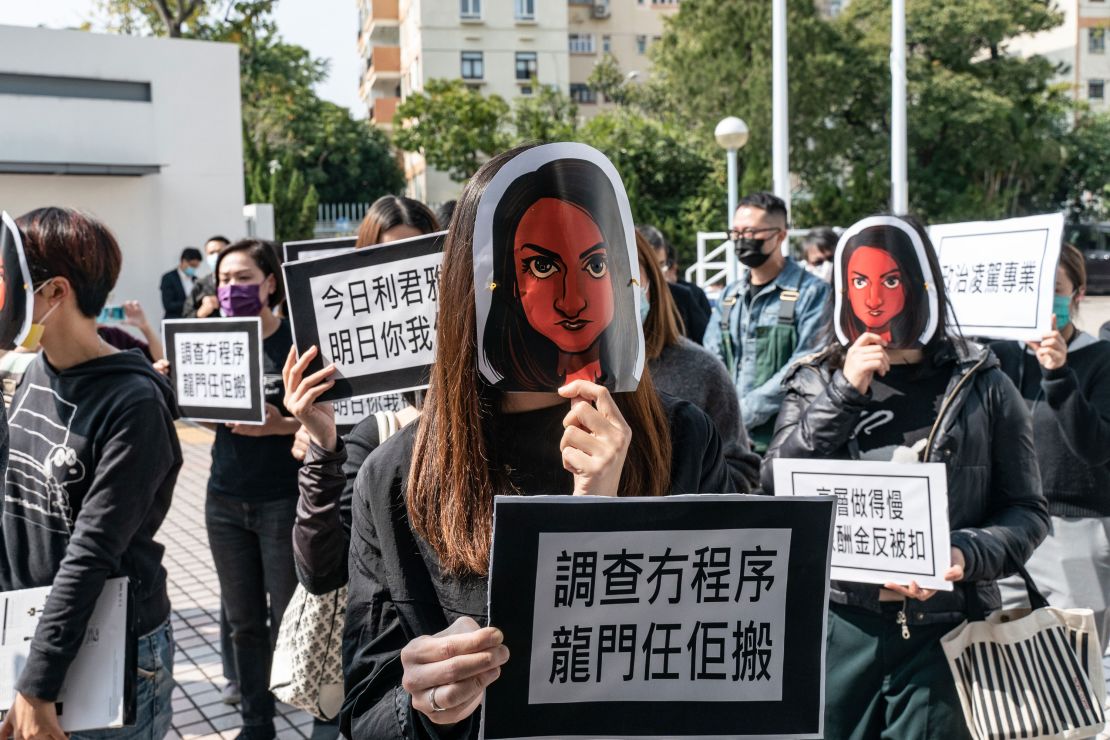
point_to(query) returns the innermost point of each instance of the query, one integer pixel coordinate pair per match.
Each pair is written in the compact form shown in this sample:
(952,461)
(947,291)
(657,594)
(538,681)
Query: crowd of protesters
(400,509)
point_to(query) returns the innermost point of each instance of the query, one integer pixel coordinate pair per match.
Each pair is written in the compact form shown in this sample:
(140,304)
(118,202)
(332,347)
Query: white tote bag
(1028,673)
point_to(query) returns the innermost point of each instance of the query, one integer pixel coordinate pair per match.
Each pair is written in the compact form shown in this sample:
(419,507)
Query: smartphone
(110,314)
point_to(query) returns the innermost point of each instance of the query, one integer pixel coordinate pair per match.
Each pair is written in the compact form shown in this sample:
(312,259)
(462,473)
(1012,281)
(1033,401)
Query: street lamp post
(731,134)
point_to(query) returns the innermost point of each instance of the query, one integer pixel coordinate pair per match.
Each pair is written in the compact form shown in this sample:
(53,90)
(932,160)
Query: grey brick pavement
(195,598)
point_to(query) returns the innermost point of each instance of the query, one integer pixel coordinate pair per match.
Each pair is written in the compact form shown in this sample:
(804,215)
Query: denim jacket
(758,404)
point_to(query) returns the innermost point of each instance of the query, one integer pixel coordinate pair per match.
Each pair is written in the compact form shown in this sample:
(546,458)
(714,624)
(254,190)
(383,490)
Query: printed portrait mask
(556,274)
(884,284)
(16,297)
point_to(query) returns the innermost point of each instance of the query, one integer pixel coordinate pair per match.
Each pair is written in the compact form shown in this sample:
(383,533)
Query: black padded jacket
(983,433)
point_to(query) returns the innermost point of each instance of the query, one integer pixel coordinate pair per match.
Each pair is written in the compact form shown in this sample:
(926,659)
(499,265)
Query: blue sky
(326,27)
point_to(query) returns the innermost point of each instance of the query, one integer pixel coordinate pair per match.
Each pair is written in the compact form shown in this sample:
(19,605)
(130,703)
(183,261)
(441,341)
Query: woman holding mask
(1065,379)
(422,514)
(899,385)
(252,490)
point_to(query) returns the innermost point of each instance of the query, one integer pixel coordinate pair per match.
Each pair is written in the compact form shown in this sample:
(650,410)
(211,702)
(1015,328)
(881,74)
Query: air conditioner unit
(601,9)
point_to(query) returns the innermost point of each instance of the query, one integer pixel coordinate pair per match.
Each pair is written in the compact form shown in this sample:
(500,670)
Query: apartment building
(1080,43)
(624,28)
(505,47)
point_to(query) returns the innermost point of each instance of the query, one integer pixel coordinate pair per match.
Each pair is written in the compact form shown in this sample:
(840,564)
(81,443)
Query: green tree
(1084,189)
(670,180)
(549,115)
(985,127)
(454,126)
(277,181)
(157,17)
(344,159)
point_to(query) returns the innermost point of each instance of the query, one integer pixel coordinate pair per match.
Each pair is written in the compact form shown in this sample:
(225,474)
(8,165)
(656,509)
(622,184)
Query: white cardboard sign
(216,367)
(1000,275)
(891,518)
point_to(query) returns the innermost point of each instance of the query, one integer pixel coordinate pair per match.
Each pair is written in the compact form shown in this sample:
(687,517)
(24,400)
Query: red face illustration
(875,289)
(563,274)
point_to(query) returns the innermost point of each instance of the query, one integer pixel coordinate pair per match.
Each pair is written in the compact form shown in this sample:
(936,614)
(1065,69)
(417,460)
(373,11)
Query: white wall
(191,129)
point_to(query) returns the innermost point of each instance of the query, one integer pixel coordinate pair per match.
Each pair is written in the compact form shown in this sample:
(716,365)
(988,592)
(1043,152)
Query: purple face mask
(239,300)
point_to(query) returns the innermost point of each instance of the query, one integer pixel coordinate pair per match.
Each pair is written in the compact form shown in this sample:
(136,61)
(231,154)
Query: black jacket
(322,532)
(984,435)
(173,295)
(93,461)
(1071,422)
(398,590)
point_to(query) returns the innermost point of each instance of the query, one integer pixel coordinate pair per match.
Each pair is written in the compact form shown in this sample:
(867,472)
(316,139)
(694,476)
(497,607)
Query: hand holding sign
(303,393)
(275,424)
(955,574)
(447,673)
(595,439)
(1052,350)
(865,357)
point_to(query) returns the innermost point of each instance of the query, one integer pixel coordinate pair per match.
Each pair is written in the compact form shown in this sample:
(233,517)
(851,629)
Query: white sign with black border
(692,616)
(1000,276)
(891,518)
(216,368)
(371,312)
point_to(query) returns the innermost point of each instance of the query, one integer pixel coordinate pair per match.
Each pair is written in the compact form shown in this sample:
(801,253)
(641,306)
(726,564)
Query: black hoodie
(93,461)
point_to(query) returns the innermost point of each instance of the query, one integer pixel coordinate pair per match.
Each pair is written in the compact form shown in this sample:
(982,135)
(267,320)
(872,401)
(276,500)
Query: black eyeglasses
(764,233)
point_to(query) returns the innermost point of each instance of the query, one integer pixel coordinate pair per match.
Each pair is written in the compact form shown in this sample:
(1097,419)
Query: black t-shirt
(258,467)
(903,407)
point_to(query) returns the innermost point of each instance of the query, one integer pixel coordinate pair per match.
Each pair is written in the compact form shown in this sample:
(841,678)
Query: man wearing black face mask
(770,317)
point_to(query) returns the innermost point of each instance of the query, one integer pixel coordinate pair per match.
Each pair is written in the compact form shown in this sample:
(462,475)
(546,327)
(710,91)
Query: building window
(1096,40)
(525,10)
(1096,89)
(641,44)
(582,43)
(525,89)
(470,9)
(606,43)
(581,93)
(473,66)
(526,65)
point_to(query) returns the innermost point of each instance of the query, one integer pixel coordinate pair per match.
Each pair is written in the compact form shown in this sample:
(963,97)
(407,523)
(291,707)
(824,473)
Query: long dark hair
(454,474)
(913,319)
(389,211)
(514,349)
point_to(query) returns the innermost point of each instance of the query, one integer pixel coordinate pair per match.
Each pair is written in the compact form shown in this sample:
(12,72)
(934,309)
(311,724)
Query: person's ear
(1080,295)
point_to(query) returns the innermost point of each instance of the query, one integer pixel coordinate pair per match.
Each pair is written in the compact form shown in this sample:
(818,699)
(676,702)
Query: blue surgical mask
(1061,306)
(645,305)
(190,271)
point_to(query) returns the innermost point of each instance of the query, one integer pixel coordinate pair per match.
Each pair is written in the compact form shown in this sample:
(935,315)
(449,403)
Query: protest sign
(16,293)
(710,610)
(99,688)
(216,367)
(891,518)
(371,312)
(350,411)
(311,249)
(1000,275)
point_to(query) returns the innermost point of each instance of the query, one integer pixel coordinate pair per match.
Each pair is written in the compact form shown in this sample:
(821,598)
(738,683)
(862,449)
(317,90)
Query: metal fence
(339,219)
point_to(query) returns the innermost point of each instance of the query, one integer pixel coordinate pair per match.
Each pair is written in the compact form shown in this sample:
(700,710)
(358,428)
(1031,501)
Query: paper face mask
(556,274)
(884,284)
(15,286)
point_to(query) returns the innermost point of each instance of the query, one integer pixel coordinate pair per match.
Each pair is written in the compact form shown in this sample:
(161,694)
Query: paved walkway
(195,595)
